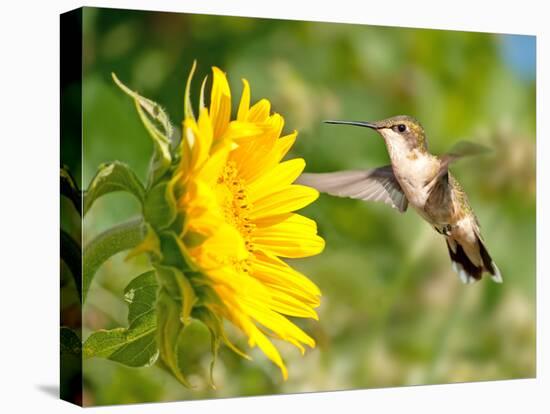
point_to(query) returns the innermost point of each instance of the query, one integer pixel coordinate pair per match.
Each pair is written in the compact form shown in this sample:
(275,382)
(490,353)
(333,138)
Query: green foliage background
(393,312)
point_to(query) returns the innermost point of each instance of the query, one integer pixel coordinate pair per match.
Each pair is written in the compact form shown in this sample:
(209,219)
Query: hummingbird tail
(488,263)
(466,269)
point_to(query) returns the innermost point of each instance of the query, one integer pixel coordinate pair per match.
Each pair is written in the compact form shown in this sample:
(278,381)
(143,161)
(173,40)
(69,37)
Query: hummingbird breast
(436,202)
(414,171)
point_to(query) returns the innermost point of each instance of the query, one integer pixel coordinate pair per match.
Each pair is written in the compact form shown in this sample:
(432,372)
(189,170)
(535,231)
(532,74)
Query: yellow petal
(252,157)
(203,138)
(274,271)
(220,103)
(223,247)
(238,315)
(295,236)
(259,112)
(205,129)
(283,145)
(226,243)
(276,179)
(290,199)
(271,299)
(276,123)
(213,167)
(277,323)
(189,136)
(201,206)
(239,131)
(286,304)
(244,105)
(198,137)
(269,350)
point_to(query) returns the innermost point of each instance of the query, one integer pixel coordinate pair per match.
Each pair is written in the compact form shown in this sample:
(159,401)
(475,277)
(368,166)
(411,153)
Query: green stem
(115,240)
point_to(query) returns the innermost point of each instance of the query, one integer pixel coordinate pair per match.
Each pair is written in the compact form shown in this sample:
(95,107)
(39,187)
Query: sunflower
(238,200)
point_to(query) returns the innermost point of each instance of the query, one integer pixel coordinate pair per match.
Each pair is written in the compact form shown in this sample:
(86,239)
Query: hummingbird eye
(401,127)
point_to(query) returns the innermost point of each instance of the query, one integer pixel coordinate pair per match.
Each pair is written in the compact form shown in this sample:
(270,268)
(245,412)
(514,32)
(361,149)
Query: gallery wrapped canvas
(258,206)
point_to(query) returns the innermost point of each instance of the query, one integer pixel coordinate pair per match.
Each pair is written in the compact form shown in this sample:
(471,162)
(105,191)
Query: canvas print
(259,207)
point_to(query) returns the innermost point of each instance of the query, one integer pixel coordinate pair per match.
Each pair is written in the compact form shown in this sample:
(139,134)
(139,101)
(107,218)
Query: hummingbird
(423,180)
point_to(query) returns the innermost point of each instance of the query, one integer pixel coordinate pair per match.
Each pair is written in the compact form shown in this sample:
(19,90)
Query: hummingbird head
(400,132)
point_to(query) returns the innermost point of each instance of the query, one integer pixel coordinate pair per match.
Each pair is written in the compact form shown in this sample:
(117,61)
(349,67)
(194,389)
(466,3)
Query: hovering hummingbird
(422,180)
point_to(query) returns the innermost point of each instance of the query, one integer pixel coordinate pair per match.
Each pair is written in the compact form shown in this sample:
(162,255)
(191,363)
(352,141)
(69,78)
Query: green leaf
(140,294)
(150,113)
(175,252)
(135,346)
(176,301)
(217,336)
(151,107)
(111,177)
(215,328)
(70,342)
(159,207)
(168,334)
(179,288)
(115,240)
(70,189)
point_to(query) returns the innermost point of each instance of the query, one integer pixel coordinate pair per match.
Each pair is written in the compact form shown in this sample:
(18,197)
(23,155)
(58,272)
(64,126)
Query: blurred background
(393,313)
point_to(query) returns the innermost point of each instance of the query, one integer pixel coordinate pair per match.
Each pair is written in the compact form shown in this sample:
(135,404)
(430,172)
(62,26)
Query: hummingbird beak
(355,123)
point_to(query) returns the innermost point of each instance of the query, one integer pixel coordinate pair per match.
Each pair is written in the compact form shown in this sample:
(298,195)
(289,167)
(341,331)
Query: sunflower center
(233,198)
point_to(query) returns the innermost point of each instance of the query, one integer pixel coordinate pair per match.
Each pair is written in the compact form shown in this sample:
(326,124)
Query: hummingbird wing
(377,184)
(466,149)
(460,150)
